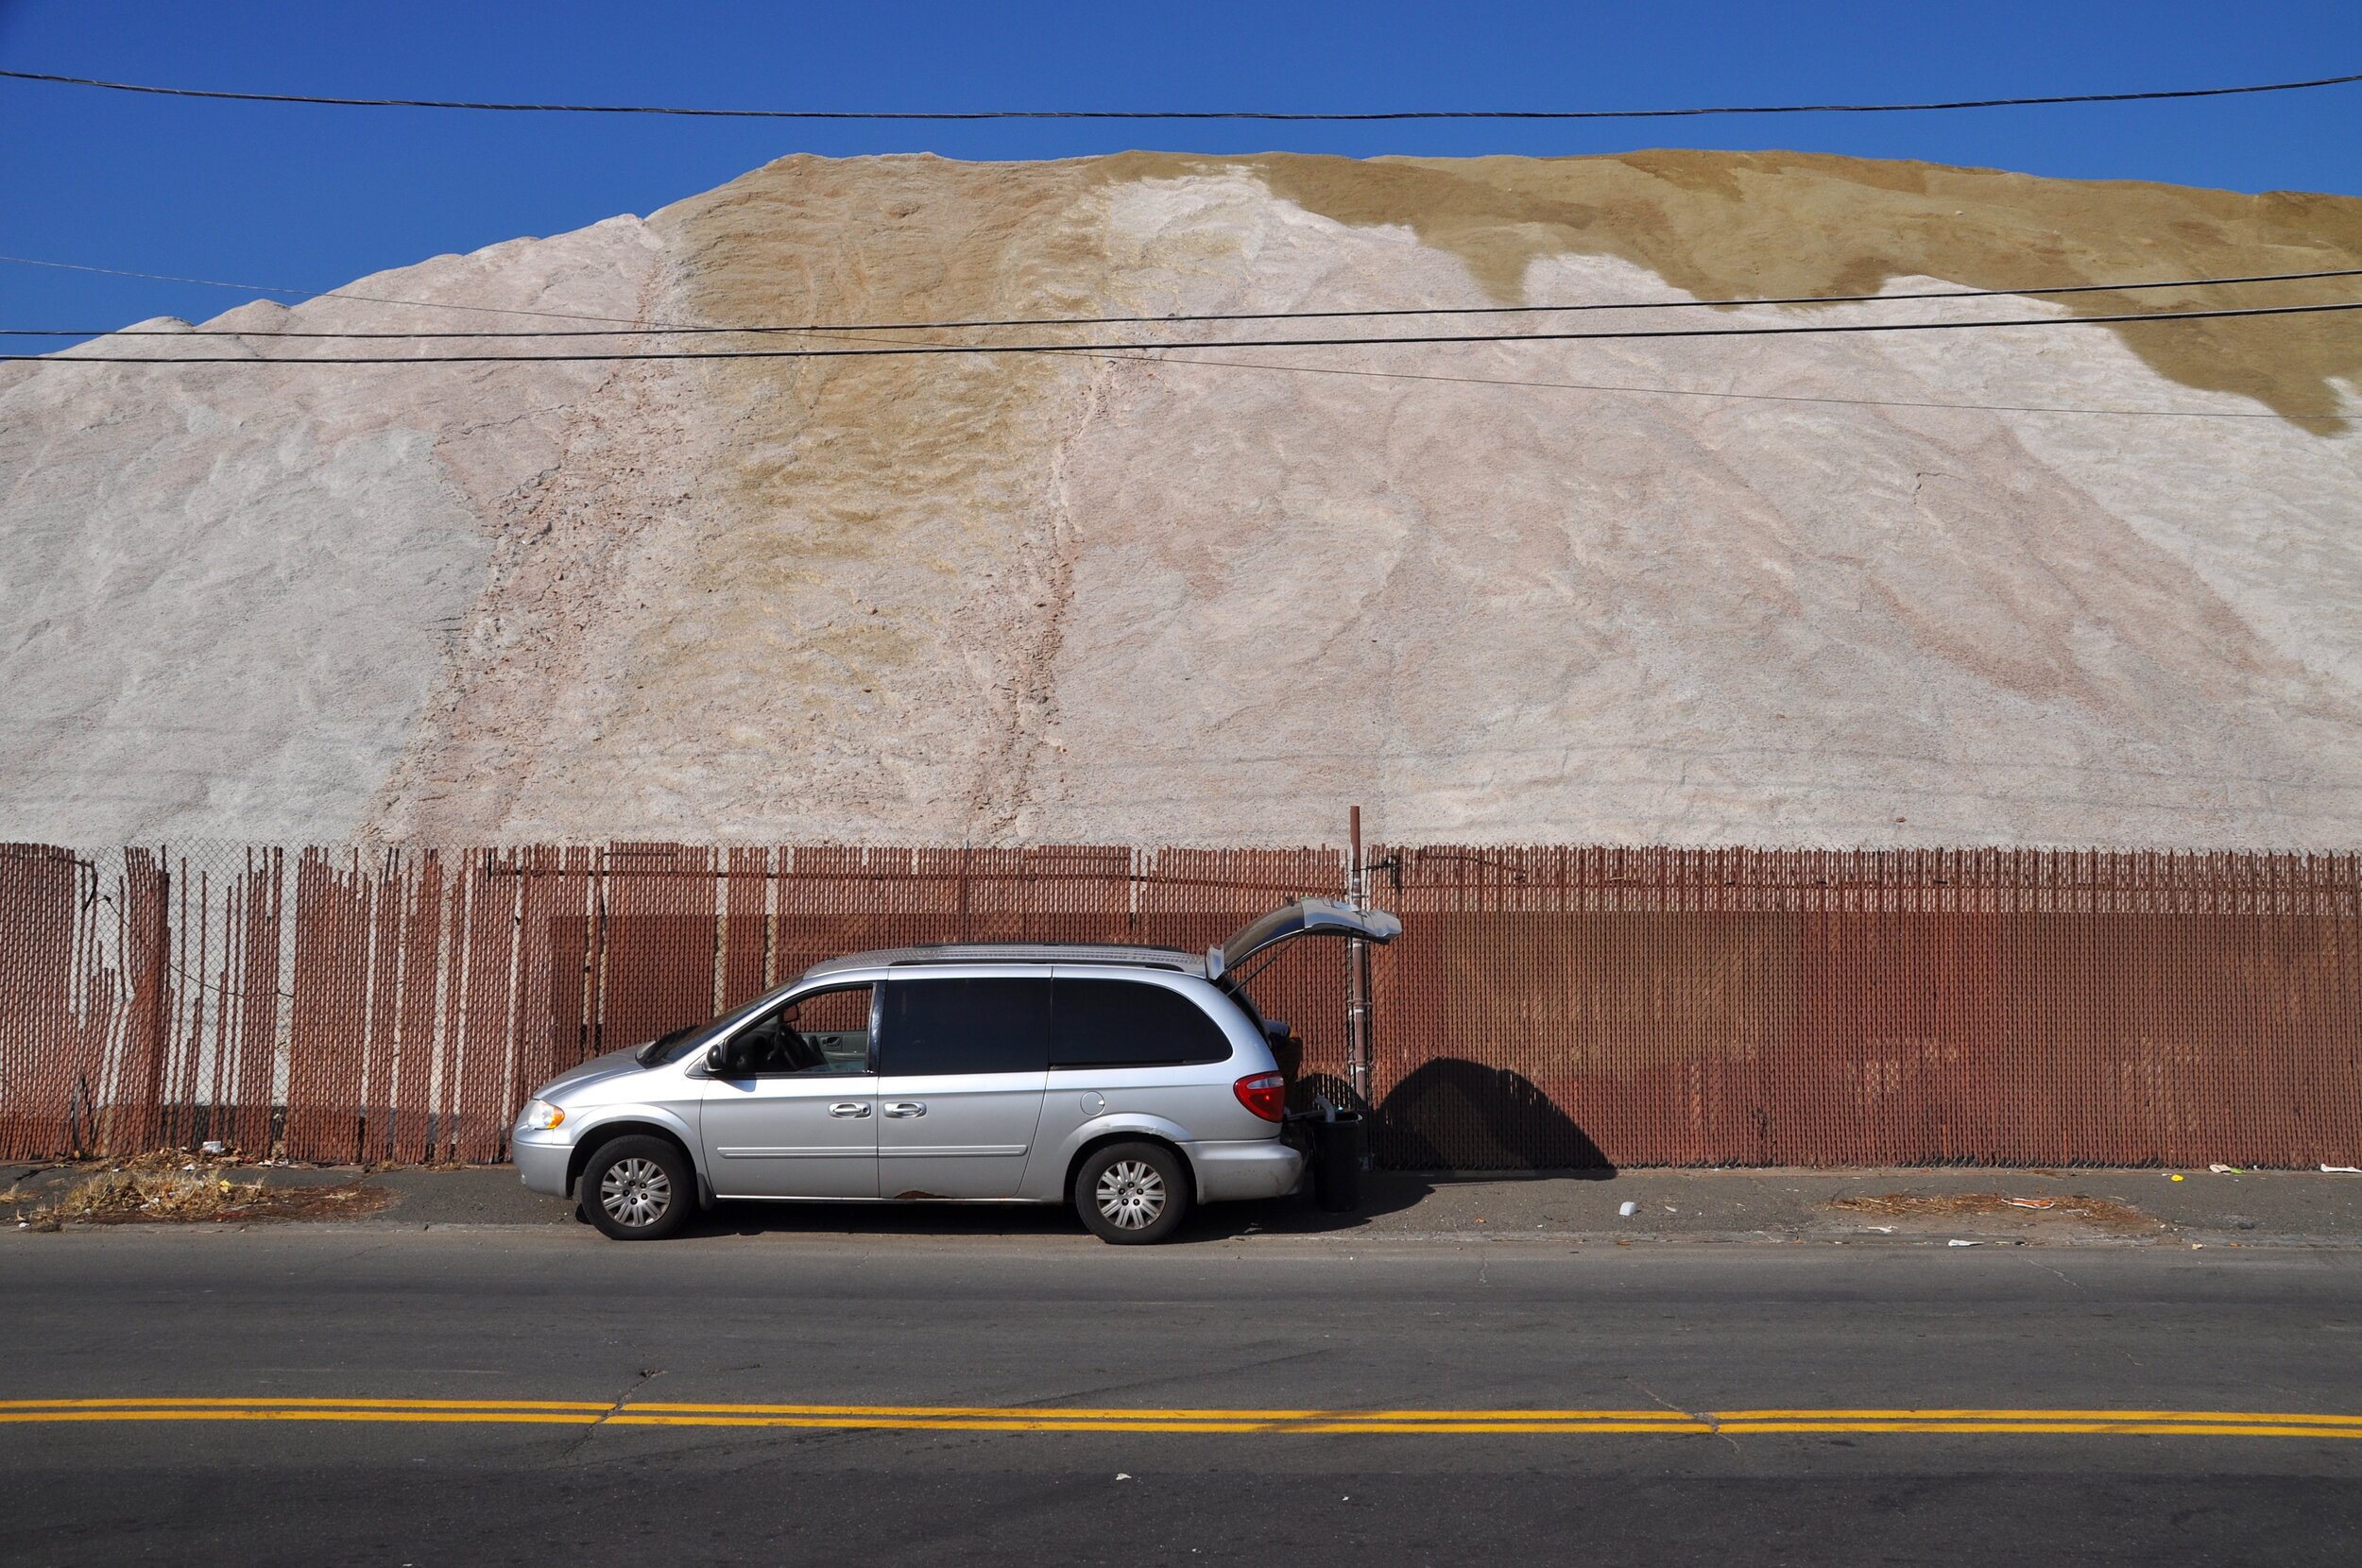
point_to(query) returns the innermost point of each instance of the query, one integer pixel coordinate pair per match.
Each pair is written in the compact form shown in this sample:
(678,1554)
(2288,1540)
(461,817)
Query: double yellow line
(985,1418)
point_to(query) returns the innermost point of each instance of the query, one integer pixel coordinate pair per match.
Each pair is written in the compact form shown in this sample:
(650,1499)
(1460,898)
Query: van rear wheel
(1133,1194)
(639,1188)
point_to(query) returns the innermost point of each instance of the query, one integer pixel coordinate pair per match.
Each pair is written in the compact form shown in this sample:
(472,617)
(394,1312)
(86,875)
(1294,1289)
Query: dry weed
(149,1194)
(186,1197)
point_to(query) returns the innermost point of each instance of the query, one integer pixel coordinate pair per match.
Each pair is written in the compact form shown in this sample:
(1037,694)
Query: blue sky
(313,196)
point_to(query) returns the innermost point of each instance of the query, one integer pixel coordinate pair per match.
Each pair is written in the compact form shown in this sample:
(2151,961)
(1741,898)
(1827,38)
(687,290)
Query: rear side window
(1110,1023)
(950,1026)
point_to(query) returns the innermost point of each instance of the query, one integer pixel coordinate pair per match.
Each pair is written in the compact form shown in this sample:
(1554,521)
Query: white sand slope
(1521,591)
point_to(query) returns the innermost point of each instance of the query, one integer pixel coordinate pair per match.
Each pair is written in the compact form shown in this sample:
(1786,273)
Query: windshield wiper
(656,1050)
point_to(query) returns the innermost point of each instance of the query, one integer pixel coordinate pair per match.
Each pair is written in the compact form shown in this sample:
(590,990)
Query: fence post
(1356,974)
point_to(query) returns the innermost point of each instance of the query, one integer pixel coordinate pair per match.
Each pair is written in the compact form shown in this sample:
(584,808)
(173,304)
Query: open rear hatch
(1305,918)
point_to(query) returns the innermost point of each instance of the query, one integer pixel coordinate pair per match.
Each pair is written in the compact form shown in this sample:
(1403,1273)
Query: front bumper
(541,1159)
(1257,1168)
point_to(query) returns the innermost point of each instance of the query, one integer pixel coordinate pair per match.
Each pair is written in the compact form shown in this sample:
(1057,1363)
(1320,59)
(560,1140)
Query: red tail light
(1265,1093)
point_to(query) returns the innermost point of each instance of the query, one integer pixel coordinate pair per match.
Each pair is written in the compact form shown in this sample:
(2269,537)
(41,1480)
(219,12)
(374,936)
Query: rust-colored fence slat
(39,891)
(381,888)
(482,1058)
(660,925)
(326,1041)
(243,1096)
(133,1107)
(747,927)
(184,1038)
(408,1132)
(554,1027)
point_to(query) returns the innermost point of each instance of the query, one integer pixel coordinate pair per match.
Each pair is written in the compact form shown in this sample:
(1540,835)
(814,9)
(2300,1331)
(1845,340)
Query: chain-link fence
(1546,1007)
(1563,1007)
(397,1005)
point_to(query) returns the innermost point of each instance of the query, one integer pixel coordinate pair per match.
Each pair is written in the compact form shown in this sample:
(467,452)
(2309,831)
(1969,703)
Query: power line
(152,276)
(1175,113)
(1163,357)
(305,293)
(916,349)
(1179,318)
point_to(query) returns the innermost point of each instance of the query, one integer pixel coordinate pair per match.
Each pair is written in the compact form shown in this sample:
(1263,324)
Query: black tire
(1133,1194)
(639,1188)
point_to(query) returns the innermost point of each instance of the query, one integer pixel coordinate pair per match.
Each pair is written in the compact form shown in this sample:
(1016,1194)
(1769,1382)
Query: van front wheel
(639,1188)
(1133,1193)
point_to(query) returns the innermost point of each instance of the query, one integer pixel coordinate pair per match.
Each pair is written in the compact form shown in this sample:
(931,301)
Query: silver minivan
(1130,1082)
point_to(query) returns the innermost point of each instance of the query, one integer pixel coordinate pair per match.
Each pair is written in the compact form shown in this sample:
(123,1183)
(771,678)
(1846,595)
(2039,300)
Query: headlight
(539,1115)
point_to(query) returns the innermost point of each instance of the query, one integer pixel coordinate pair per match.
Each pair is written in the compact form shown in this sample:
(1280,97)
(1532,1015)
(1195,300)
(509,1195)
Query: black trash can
(1338,1149)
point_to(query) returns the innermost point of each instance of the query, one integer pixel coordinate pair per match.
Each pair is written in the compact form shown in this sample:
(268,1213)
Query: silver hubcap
(635,1192)
(1131,1195)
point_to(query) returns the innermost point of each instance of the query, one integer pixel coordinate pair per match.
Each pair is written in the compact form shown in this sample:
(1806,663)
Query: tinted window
(1109,1023)
(939,1025)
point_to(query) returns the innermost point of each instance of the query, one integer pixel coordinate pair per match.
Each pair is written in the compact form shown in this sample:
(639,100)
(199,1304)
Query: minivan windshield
(670,1048)
(673,1047)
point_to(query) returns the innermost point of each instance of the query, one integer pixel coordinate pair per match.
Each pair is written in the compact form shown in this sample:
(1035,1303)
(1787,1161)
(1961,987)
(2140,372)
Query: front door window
(825,1031)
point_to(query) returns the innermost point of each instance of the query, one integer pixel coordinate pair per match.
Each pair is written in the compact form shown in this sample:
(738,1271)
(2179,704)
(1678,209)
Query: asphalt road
(950,1347)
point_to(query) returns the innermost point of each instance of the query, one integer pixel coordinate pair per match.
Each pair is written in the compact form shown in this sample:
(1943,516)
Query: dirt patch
(2101,1214)
(1725,225)
(132,1197)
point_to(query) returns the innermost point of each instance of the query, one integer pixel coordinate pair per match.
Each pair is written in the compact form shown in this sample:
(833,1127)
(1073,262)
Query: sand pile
(1491,592)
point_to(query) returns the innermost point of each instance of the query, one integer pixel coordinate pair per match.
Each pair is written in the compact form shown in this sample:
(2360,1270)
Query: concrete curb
(1756,1207)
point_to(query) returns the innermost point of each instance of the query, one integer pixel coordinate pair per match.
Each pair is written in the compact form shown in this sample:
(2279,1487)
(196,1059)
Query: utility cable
(1175,113)
(1184,319)
(1164,357)
(1629,335)
(306,295)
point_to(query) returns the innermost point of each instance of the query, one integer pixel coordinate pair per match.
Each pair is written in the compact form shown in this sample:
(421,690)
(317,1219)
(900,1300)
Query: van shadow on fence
(1451,1114)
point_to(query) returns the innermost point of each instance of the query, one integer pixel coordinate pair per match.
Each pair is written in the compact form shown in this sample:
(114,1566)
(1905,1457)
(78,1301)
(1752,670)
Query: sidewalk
(1882,1206)
(1852,1207)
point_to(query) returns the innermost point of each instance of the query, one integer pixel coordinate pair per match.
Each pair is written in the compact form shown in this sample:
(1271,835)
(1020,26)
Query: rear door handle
(906,1108)
(850,1108)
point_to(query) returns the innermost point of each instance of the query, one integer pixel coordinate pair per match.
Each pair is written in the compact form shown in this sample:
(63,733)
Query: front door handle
(906,1108)
(850,1108)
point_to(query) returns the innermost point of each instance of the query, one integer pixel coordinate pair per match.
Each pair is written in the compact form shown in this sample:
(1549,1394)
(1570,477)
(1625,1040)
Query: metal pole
(1357,977)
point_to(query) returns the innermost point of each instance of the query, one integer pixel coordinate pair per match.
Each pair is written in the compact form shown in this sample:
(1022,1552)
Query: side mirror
(718,1061)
